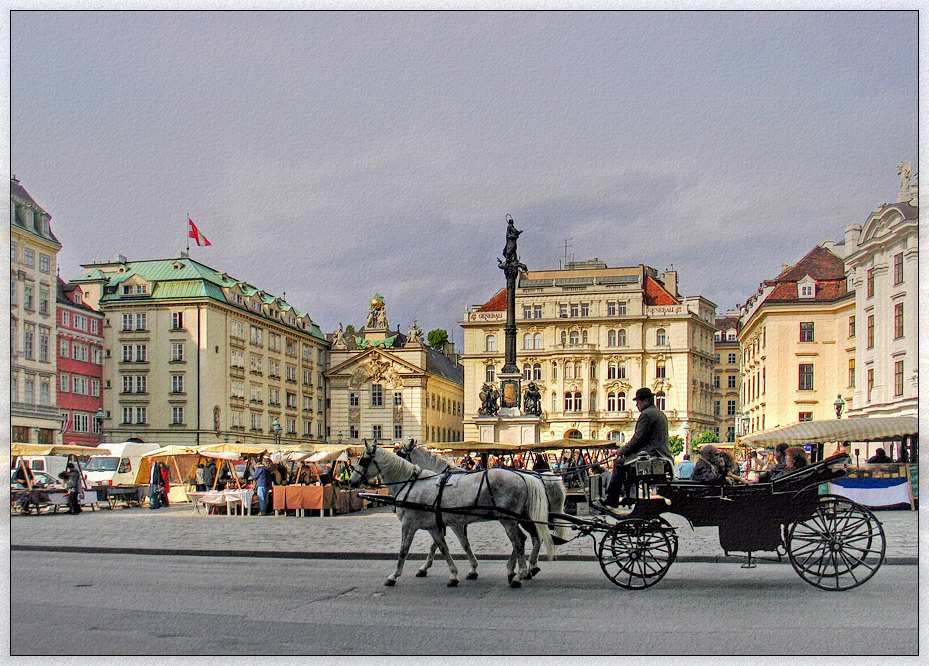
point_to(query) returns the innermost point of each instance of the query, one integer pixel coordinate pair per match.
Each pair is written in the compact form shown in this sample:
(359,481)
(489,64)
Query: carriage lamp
(839,406)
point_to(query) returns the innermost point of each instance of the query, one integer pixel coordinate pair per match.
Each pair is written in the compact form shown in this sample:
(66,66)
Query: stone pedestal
(508,429)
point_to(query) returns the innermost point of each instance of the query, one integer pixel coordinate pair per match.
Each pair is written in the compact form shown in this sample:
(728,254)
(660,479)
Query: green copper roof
(184,278)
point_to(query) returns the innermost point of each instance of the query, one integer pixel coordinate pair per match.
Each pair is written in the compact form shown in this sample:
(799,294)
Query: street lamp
(276,430)
(686,428)
(226,439)
(98,418)
(38,432)
(340,437)
(839,406)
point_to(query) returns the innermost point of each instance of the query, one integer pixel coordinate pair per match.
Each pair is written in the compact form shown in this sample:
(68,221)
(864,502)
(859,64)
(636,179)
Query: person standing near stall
(74,489)
(262,481)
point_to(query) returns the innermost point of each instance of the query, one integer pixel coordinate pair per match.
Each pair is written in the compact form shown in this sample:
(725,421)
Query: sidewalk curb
(334,555)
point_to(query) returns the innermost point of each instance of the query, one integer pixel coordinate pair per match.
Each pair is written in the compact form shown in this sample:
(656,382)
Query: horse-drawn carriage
(832,543)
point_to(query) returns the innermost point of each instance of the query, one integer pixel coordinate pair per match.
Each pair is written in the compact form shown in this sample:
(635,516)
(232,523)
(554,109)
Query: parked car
(40,480)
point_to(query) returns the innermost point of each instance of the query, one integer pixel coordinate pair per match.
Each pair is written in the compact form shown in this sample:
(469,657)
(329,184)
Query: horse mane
(435,459)
(392,465)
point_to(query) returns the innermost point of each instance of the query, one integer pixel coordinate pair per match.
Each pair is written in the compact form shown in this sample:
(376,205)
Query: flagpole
(188,234)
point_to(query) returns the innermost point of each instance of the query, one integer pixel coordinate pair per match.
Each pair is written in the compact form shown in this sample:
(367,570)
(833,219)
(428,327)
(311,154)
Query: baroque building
(34,415)
(796,339)
(387,386)
(80,367)
(726,378)
(195,356)
(882,262)
(589,336)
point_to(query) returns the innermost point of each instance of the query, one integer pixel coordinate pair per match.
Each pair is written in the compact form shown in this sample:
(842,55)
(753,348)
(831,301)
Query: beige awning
(859,429)
(23,449)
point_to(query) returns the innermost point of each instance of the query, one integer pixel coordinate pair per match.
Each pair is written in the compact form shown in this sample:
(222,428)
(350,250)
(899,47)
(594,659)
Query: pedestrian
(262,481)
(155,483)
(686,468)
(651,438)
(201,482)
(209,474)
(73,489)
(165,484)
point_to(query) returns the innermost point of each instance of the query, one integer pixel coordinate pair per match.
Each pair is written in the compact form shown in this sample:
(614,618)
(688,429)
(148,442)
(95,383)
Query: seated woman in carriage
(714,466)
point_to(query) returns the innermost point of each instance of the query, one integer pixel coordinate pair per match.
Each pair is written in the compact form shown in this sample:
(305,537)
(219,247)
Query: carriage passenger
(714,466)
(795,459)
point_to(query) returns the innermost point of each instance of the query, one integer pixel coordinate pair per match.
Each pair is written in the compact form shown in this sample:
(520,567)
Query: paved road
(372,533)
(85,604)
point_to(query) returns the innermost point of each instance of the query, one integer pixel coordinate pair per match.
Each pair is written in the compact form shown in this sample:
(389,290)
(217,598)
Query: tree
(437,338)
(708,437)
(676,444)
(350,329)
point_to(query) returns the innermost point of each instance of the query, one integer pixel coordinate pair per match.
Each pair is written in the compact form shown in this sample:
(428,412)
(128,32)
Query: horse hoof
(453,583)
(472,576)
(390,583)
(515,584)
(528,576)
(534,571)
(420,574)
(510,577)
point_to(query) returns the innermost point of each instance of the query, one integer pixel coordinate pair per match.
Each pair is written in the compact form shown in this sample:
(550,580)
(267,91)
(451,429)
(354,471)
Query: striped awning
(861,429)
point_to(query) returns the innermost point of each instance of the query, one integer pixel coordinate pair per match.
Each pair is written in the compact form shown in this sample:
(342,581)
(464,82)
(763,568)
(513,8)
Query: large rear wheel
(839,547)
(636,554)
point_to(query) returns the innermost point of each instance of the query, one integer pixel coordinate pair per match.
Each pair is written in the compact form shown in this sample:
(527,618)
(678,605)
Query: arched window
(621,336)
(611,402)
(613,435)
(537,371)
(593,370)
(554,370)
(578,370)
(578,404)
(489,374)
(575,338)
(527,372)
(660,338)
(611,338)
(584,337)
(568,401)
(660,400)
(621,401)
(621,371)
(527,341)
(574,434)
(554,402)
(538,340)
(490,343)
(660,370)
(564,337)
(569,371)
(611,370)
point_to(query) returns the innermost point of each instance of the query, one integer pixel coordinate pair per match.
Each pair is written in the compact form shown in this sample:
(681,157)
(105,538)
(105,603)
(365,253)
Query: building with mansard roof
(589,336)
(195,356)
(34,415)
(387,386)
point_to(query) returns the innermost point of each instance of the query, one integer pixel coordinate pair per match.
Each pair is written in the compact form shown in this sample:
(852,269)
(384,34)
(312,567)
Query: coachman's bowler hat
(644,394)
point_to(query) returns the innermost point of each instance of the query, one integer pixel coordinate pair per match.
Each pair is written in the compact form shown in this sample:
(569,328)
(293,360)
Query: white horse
(554,491)
(426,500)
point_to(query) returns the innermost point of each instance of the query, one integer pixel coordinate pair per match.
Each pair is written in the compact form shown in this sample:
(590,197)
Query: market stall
(51,496)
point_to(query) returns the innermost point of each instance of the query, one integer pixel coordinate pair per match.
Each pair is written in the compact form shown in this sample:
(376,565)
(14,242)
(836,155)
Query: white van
(119,467)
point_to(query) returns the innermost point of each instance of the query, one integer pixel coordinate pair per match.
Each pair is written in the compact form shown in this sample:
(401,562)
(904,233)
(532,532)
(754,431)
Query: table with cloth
(227,498)
(316,498)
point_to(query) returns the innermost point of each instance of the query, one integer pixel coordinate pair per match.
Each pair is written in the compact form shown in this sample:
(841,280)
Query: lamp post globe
(276,430)
(839,406)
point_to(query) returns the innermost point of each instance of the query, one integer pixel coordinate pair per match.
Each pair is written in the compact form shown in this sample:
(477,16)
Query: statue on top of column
(510,256)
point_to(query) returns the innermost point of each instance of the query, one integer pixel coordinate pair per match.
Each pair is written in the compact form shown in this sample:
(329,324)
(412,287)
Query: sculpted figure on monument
(532,401)
(510,255)
(489,397)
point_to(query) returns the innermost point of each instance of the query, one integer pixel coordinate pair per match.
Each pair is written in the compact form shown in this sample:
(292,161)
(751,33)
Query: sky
(332,155)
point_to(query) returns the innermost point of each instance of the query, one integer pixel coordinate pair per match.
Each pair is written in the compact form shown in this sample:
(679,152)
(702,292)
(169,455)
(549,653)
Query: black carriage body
(749,517)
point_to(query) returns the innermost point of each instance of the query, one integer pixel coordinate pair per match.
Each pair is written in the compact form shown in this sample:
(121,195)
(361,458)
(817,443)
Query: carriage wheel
(635,553)
(839,547)
(672,536)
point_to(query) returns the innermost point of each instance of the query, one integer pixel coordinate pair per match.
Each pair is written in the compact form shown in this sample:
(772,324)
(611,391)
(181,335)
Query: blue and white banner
(873,492)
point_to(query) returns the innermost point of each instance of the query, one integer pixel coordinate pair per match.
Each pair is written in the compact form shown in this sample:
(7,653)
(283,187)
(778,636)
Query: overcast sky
(335,155)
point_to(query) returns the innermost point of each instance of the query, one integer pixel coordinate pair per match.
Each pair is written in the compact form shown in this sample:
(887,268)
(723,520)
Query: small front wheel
(839,547)
(635,553)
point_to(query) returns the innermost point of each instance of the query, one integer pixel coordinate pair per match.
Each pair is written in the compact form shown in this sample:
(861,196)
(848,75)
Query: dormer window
(806,288)
(77,297)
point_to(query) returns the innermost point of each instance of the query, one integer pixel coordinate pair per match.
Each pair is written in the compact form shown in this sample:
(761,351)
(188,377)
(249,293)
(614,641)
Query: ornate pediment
(617,385)
(661,385)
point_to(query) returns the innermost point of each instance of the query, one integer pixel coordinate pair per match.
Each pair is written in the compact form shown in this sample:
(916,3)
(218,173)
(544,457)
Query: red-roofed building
(589,336)
(796,343)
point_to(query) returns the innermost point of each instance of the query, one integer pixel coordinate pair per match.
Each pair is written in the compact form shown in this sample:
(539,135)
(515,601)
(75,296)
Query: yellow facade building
(726,378)
(796,344)
(589,336)
(194,356)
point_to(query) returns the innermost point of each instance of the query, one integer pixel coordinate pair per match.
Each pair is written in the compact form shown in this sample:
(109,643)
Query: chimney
(669,279)
(784,265)
(829,243)
(852,234)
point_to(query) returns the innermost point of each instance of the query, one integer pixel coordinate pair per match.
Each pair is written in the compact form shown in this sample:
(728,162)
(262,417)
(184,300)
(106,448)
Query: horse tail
(538,513)
(555,490)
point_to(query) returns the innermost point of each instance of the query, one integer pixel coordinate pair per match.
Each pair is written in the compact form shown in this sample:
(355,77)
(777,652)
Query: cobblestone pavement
(373,533)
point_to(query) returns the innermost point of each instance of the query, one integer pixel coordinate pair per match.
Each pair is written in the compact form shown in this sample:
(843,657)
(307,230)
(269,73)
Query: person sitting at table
(880,457)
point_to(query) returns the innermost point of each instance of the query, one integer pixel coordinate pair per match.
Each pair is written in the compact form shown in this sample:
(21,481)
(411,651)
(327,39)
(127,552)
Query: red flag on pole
(196,235)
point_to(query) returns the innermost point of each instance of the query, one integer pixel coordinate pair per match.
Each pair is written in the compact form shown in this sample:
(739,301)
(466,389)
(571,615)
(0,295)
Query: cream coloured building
(797,338)
(589,336)
(195,356)
(387,386)
(726,391)
(882,261)
(34,415)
